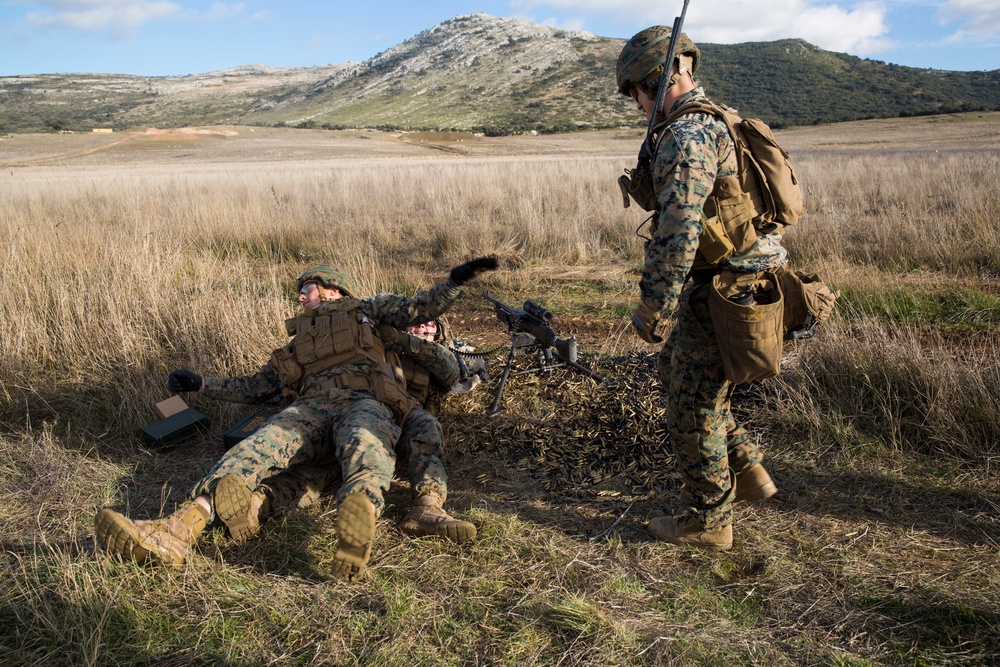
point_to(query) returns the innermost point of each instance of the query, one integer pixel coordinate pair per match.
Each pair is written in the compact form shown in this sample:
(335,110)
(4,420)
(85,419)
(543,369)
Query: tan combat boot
(427,517)
(167,540)
(671,529)
(238,508)
(754,484)
(356,531)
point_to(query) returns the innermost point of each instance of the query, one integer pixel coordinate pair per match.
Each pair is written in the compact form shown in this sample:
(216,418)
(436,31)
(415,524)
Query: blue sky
(177,37)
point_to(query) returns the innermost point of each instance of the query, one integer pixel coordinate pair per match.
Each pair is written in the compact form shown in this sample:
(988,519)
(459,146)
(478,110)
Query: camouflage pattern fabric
(325,425)
(420,447)
(396,311)
(709,447)
(438,361)
(421,444)
(696,150)
(300,486)
(345,426)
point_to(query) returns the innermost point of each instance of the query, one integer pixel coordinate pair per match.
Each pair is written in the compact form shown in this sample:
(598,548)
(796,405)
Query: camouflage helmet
(641,59)
(328,276)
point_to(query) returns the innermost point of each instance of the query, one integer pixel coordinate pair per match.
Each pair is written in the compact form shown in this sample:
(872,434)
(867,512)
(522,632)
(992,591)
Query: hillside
(497,75)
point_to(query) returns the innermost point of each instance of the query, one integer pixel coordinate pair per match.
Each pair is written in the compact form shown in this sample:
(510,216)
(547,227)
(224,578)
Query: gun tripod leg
(503,382)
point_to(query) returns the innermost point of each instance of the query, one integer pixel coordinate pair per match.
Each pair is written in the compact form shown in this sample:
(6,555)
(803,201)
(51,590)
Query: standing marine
(347,401)
(693,170)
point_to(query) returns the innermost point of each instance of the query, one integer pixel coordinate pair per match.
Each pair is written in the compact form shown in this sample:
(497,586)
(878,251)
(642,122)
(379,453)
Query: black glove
(465,272)
(182,380)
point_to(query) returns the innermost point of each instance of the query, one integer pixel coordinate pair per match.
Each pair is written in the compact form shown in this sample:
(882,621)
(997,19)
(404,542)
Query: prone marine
(431,371)
(347,402)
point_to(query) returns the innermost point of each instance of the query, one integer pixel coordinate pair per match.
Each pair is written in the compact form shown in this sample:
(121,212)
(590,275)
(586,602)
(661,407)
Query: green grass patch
(958,309)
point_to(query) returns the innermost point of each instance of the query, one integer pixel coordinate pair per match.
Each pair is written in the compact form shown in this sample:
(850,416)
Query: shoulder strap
(694,106)
(720,111)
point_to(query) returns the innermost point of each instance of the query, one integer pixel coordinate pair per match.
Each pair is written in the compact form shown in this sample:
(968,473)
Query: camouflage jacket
(431,370)
(695,150)
(389,309)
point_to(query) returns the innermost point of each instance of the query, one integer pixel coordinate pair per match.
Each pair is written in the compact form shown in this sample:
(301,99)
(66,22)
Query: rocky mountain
(498,75)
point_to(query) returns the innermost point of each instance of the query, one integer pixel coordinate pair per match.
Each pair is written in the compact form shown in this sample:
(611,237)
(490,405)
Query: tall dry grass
(114,277)
(112,280)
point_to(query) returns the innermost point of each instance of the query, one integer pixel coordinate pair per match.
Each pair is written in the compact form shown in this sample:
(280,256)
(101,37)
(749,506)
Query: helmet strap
(325,293)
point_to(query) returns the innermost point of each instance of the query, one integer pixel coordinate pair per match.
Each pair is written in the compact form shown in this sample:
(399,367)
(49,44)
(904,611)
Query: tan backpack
(768,191)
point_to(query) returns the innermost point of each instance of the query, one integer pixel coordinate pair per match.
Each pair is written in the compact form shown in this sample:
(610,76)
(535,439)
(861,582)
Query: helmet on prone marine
(640,62)
(326,277)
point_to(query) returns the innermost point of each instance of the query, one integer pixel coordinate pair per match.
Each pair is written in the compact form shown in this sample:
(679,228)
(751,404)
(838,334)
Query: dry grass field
(129,255)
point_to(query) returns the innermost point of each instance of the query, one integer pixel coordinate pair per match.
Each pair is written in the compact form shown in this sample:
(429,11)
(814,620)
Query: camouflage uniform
(430,370)
(709,446)
(325,425)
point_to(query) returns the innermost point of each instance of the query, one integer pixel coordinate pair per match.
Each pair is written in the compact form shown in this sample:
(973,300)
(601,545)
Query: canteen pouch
(808,302)
(750,337)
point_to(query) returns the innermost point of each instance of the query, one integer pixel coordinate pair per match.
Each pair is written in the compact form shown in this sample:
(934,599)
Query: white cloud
(119,18)
(116,16)
(219,11)
(980,20)
(860,28)
(570,23)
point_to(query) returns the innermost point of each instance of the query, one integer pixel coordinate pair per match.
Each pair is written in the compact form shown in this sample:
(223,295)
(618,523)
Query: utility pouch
(388,385)
(808,302)
(713,243)
(289,371)
(638,184)
(315,342)
(749,336)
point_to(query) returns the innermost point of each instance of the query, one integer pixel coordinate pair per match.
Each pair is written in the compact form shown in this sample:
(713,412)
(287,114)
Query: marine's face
(427,331)
(309,295)
(642,101)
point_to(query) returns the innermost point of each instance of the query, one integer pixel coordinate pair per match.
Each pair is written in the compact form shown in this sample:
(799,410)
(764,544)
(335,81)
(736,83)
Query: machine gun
(529,330)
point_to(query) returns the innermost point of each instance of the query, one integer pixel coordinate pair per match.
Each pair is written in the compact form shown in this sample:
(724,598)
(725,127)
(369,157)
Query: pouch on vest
(638,184)
(714,245)
(808,302)
(749,336)
(389,388)
(288,370)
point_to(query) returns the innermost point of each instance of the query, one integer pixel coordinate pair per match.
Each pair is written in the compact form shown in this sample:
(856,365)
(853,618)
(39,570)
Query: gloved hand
(391,335)
(644,320)
(183,380)
(465,272)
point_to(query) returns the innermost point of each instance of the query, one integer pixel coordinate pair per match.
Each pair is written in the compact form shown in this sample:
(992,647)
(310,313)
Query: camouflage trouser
(358,432)
(420,445)
(709,446)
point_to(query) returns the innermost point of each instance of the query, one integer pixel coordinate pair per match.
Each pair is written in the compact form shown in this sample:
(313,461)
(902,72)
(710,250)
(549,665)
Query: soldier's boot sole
(754,484)
(356,531)
(141,541)
(668,529)
(236,508)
